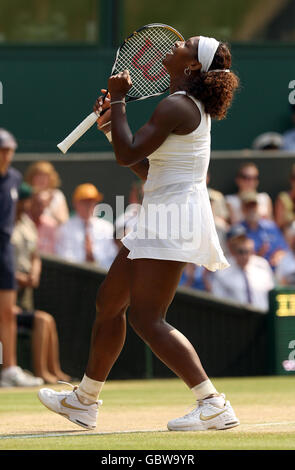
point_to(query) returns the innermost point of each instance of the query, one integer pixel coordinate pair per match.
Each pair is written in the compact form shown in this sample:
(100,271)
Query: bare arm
(280,213)
(32,278)
(36,269)
(132,151)
(171,115)
(104,124)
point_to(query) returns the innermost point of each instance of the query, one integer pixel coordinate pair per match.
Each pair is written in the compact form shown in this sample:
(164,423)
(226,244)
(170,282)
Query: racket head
(142,53)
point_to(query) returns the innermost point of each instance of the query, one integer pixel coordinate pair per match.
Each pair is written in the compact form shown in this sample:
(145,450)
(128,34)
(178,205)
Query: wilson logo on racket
(157,56)
(141,53)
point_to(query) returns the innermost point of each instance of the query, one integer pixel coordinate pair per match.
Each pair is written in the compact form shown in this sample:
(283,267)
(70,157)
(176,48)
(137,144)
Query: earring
(187,71)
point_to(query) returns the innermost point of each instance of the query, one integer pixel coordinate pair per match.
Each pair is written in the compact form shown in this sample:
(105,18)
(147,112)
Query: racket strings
(142,55)
(153,48)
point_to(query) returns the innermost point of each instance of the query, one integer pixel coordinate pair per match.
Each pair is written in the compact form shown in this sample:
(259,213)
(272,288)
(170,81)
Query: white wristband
(105,124)
(109,136)
(116,102)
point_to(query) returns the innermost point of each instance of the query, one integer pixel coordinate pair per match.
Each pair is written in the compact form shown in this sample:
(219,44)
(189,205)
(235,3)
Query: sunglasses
(248,177)
(242,251)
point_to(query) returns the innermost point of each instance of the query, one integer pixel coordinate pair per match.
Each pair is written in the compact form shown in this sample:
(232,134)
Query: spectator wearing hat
(45,347)
(247,179)
(268,141)
(10,180)
(285,204)
(268,239)
(85,238)
(249,277)
(289,136)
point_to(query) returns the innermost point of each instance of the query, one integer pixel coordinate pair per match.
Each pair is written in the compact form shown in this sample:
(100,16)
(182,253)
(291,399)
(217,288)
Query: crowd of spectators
(257,235)
(258,239)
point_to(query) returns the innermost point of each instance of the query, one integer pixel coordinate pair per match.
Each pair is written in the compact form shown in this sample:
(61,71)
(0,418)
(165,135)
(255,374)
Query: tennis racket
(141,53)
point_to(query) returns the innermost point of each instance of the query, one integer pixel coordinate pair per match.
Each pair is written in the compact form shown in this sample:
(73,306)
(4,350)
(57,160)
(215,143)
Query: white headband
(206,51)
(216,70)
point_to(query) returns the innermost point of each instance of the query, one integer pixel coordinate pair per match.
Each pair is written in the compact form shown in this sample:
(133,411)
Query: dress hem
(169,254)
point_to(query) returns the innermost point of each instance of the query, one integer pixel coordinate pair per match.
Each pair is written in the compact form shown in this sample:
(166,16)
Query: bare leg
(8,328)
(40,347)
(53,353)
(153,285)
(109,330)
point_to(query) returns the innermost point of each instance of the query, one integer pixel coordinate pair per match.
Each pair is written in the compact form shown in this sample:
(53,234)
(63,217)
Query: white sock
(204,389)
(89,390)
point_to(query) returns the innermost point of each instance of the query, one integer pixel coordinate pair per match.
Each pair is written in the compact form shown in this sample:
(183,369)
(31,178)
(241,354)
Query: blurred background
(56,55)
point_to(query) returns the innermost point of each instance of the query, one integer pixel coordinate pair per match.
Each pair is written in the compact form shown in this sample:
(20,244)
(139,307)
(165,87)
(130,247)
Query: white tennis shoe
(16,377)
(68,404)
(210,413)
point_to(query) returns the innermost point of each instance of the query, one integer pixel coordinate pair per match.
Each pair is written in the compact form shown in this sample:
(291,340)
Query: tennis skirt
(175,222)
(7,276)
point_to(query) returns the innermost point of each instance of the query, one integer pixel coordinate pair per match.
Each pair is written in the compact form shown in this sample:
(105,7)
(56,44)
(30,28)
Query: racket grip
(77,132)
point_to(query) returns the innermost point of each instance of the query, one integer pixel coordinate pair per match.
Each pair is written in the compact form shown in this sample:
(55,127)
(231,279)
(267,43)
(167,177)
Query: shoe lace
(74,387)
(192,409)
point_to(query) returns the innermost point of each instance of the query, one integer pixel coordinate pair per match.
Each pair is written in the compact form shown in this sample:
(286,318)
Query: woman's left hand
(119,85)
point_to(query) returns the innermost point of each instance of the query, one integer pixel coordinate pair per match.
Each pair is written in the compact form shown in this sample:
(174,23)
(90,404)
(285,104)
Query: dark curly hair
(215,89)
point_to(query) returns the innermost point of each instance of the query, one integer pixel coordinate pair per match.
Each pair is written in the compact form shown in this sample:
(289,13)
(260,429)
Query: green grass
(212,440)
(273,397)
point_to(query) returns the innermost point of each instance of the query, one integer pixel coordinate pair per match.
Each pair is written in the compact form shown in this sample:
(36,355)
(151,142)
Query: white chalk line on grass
(137,431)
(77,433)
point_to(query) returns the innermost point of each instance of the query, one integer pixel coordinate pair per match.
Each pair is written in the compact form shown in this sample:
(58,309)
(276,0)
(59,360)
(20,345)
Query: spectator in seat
(84,237)
(196,277)
(45,344)
(269,241)
(42,176)
(268,141)
(46,225)
(249,278)
(247,179)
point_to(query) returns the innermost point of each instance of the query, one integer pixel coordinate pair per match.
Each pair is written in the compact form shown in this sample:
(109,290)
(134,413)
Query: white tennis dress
(175,221)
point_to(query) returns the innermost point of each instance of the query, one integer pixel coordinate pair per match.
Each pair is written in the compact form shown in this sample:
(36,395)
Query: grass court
(135,413)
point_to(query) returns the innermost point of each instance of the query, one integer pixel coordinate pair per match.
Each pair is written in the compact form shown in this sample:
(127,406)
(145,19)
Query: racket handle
(77,132)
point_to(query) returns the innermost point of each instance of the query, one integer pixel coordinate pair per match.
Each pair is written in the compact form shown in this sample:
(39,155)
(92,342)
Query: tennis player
(171,153)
